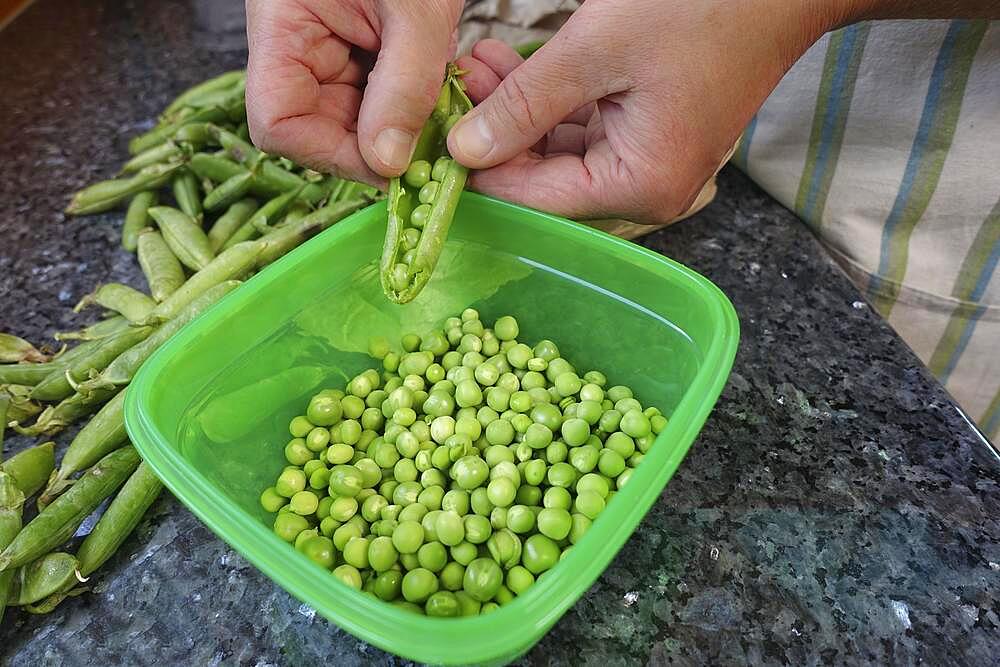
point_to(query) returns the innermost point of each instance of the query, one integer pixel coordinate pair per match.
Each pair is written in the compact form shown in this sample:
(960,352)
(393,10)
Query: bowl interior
(210,409)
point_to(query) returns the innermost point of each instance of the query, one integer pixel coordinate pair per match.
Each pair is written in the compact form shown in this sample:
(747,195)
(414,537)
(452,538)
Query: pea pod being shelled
(422,202)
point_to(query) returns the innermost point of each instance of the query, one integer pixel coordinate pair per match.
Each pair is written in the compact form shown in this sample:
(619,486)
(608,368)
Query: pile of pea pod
(451,481)
(205,209)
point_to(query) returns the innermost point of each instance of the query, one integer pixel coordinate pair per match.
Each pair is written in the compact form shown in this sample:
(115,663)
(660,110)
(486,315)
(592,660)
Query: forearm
(862,10)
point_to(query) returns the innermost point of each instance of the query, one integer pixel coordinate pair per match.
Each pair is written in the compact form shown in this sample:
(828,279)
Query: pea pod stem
(57,522)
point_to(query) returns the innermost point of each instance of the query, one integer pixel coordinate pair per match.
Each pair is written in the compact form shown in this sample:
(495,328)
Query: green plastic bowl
(209,411)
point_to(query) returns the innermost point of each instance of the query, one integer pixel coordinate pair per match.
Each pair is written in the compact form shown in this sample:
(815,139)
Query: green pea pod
(227,224)
(32,374)
(4,407)
(19,404)
(161,133)
(183,236)
(528,49)
(230,264)
(405,271)
(59,384)
(14,350)
(119,520)
(11,501)
(120,371)
(214,167)
(193,134)
(266,215)
(166,151)
(56,523)
(195,95)
(122,299)
(187,193)
(229,191)
(54,419)
(31,467)
(137,218)
(106,195)
(271,175)
(162,269)
(38,580)
(102,329)
(103,434)
(280,241)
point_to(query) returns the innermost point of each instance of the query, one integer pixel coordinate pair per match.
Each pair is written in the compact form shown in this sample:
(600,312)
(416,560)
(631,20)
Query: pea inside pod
(422,202)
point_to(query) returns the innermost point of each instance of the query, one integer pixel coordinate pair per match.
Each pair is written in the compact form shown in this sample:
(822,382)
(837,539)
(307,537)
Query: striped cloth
(885,139)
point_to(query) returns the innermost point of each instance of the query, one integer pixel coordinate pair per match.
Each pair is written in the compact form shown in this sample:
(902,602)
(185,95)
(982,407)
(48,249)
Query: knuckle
(517,108)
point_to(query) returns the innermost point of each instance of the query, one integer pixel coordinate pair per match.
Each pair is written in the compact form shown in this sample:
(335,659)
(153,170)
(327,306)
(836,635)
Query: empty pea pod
(282,240)
(120,371)
(106,195)
(424,199)
(20,407)
(125,300)
(57,522)
(161,133)
(230,264)
(32,374)
(183,236)
(187,194)
(55,418)
(14,350)
(162,269)
(119,520)
(59,384)
(195,95)
(227,224)
(38,580)
(229,191)
(168,150)
(11,501)
(137,218)
(30,468)
(101,329)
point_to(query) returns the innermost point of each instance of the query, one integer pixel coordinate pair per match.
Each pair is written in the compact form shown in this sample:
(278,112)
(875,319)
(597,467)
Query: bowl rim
(514,628)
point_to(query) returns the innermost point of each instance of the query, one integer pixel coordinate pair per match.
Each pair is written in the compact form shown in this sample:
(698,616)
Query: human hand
(630,108)
(345,86)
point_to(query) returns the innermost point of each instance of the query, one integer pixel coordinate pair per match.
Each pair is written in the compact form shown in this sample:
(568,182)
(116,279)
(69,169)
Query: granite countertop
(836,508)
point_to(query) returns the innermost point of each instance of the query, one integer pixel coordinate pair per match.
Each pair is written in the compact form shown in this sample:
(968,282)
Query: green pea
(520,519)
(506,328)
(469,472)
(546,349)
(372,507)
(498,518)
(328,526)
(521,423)
(509,382)
(319,479)
(575,431)
(346,480)
(390,511)
(567,384)
(432,556)
(504,595)
(519,579)
(538,436)
(561,474)
(556,452)
(611,463)
(523,452)
(623,478)
(290,482)
(449,528)
(297,453)
(500,432)
(288,526)
(488,607)
(547,415)
(584,458)
(344,533)
(555,522)
(456,500)
(619,392)
(389,583)
(408,537)
(451,576)
(442,604)
(643,443)
(418,173)
(581,524)
(479,499)
(621,443)
(534,472)
(557,498)
(413,512)
(501,491)
(477,528)
(405,471)
(532,380)
(419,584)
(312,466)
(356,552)
(635,424)
(504,547)
(406,493)
(468,393)
(626,405)
(539,553)
(657,424)
(593,482)
(320,550)
(483,577)
(348,574)
(304,503)
(528,495)
(442,428)
(439,171)
(271,500)
(339,453)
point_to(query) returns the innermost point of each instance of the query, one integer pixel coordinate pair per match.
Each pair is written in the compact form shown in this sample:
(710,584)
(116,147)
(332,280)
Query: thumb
(405,82)
(534,98)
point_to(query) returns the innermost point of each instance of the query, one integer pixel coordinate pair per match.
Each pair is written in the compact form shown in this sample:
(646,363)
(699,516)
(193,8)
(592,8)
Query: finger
(530,101)
(498,56)
(405,83)
(479,79)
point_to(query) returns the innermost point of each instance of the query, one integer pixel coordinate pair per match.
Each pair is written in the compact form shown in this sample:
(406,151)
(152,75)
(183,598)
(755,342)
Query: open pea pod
(422,202)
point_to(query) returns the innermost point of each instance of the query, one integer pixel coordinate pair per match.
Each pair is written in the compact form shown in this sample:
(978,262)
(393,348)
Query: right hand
(345,86)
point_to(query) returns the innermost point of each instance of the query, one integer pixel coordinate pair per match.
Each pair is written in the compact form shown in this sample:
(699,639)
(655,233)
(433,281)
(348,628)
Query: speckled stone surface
(837,507)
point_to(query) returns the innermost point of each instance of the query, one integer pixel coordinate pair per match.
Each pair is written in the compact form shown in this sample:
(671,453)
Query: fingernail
(393,147)
(474,138)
